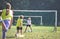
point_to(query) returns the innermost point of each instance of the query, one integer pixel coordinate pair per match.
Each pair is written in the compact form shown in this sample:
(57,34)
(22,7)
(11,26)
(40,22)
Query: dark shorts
(28,25)
(19,28)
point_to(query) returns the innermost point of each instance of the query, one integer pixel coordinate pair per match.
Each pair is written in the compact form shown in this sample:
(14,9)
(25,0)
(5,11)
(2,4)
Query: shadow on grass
(10,36)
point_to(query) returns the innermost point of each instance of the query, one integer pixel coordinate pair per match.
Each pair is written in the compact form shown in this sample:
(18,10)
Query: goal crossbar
(40,11)
(33,16)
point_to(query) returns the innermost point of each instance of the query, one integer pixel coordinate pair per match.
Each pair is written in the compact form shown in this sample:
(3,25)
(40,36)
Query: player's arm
(2,15)
(11,21)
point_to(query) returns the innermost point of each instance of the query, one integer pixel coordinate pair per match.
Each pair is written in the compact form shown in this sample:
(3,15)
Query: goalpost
(55,11)
(41,23)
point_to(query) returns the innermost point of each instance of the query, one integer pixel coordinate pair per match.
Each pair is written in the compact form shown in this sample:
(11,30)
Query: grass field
(39,32)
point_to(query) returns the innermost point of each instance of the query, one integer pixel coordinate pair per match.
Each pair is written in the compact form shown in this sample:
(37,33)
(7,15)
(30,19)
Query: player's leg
(3,34)
(17,30)
(21,34)
(20,30)
(25,28)
(5,28)
(30,28)
(3,23)
(6,24)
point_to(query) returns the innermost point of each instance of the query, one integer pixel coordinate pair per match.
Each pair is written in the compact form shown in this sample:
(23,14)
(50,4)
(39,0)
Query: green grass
(39,32)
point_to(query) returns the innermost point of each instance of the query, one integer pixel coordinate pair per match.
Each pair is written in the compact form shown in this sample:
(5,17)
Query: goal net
(38,17)
(34,18)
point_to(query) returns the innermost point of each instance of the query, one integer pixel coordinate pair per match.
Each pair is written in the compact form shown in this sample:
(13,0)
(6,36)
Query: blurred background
(34,5)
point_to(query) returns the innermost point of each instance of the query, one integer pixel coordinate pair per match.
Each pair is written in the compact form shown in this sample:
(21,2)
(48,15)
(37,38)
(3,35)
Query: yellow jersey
(4,17)
(19,22)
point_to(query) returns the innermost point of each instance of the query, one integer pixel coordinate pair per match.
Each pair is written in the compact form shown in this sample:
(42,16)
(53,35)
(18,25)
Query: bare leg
(25,29)
(17,31)
(21,32)
(3,27)
(31,28)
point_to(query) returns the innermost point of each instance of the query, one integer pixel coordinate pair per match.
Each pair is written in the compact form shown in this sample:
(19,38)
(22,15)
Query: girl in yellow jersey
(19,24)
(7,16)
